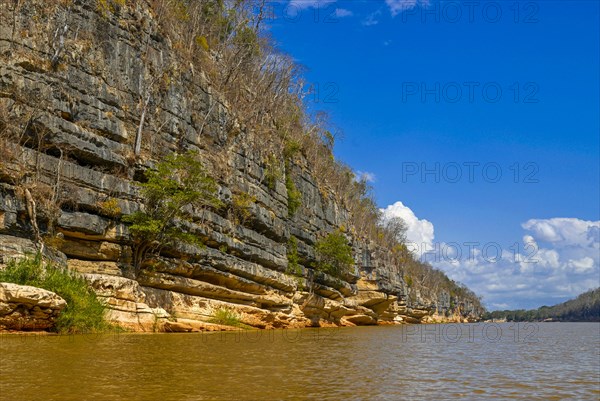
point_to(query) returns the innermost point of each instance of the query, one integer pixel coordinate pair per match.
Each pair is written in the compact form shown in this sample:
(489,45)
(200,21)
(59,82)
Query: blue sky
(470,88)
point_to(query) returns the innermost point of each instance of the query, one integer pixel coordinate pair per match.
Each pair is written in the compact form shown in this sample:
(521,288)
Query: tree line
(584,308)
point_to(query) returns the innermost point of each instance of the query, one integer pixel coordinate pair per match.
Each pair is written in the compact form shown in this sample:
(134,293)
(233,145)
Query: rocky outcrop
(26,308)
(67,135)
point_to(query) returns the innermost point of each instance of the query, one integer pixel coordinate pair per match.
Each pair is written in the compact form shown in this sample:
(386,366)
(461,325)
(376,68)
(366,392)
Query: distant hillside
(584,308)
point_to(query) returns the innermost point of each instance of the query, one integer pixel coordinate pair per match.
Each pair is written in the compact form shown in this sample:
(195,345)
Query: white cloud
(366,176)
(399,6)
(372,19)
(583,265)
(419,231)
(342,13)
(564,231)
(557,259)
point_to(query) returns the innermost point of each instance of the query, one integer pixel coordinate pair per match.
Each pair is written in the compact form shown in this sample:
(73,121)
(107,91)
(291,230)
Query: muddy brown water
(545,361)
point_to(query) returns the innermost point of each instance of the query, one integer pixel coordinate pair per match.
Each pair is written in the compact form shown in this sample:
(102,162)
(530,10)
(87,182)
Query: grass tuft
(84,312)
(226,317)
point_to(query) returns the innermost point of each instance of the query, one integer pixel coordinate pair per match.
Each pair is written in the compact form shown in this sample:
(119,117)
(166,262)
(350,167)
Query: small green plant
(203,43)
(178,185)
(109,6)
(241,206)
(110,208)
(409,281)
(294,196)
(28,271)
(334,255)
(226,317)
(84,312)
(273,172)
(291,149)
(293,258)
(294,268)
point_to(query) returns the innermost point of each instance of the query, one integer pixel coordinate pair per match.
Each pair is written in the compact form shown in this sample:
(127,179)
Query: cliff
(77,81)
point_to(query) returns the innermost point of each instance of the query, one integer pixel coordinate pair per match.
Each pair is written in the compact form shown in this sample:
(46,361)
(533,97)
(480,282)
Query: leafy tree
(178,188)
(334,254)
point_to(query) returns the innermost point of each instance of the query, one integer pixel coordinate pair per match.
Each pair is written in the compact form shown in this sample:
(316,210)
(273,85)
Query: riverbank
(193,326)
(167,304)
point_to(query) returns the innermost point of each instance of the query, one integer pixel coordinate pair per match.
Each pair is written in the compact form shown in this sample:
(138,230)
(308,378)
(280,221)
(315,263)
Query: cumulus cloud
(399,6)
(419,231)
(583,265)
(564,231)
(556,259)
(342,13)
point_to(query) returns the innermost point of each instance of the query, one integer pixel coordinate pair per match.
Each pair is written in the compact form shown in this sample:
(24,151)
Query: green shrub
(293,258)
(241,207)
(273,172)
(291,149)
(27,271)
(109,208)
(202,42)
(226,317)
(106,7)
(294,268)
(294,196)
(334,255)
(84,312)
(178,184)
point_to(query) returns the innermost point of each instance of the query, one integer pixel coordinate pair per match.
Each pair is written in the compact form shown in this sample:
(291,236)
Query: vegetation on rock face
(334,255)
(84,312)
(294,196)
(241,207)
(110,208)
(226,317)
(265,94)
(273,172)
(584,308)
(178,186)
(109,6)
(294,267)
(268,93)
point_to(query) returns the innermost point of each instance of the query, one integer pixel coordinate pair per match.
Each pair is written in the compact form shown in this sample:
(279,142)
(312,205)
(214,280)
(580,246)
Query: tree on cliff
(178,188)
(334,254)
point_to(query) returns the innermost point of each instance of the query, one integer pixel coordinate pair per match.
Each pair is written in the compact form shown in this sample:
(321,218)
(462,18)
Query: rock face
(67,135)
(23,307)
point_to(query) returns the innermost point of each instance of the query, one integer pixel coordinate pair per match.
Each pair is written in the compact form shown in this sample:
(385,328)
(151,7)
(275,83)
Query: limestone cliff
(74,85)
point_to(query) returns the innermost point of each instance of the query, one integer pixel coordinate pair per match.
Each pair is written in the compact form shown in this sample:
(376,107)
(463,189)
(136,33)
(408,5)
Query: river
(545,361)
